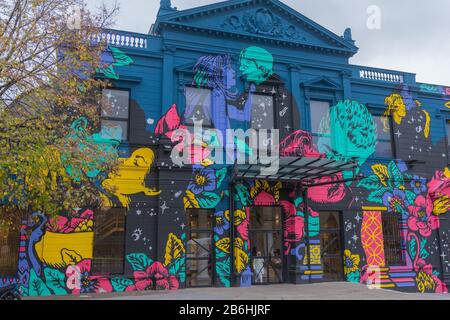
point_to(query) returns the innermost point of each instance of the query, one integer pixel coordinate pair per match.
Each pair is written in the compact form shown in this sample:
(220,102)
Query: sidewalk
(320,291)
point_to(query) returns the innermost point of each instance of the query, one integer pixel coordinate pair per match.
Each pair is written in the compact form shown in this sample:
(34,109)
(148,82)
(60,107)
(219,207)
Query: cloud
(413,36)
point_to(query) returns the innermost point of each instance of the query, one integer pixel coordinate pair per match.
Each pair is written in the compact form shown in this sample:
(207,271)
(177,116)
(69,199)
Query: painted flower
(351,262)
(419,184)
(420,218)
(80,281)
(332,190)
(395,201)
(157,274)
(427,280)
(439,192)
(204,180)
(222,222)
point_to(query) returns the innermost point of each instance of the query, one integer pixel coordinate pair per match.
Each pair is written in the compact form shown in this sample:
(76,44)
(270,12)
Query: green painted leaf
(37,287)
(223,271)
(412,245)
(395,174)
(139,261)
(370,183)
(424,254)
(243,195)
(109,72)
(410,196)
(354,277)
(314,226)
(220,175)
(120,58)
(121,284)
(55,281)
(377,195)
(176,268)
(208,200)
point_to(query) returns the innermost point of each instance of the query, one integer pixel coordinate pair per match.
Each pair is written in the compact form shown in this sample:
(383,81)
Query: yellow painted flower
(351,262)
(425,282)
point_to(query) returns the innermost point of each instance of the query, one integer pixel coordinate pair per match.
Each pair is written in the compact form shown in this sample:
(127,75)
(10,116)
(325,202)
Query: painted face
(256,64)
(230,77)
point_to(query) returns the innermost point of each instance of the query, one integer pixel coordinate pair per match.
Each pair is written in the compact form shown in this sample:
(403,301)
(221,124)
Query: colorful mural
(57,251)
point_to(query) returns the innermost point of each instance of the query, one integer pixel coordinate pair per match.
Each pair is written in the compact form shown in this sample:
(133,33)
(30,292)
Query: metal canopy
(295,169)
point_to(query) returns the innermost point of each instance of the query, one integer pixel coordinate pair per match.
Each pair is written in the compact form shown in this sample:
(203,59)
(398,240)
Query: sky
(413,35)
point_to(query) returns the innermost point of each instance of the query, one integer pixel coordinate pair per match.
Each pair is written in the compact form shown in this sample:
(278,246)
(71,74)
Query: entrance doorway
(199,257)
(331,246)
(266,240)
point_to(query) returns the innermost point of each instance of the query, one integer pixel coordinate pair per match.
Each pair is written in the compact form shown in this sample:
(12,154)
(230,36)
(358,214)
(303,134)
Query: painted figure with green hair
(256,64)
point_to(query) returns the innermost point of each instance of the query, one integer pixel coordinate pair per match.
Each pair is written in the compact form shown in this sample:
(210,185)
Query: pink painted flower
(144,280)
(264,199)
(242,228)
(299,143)
(421,218)
(333,191)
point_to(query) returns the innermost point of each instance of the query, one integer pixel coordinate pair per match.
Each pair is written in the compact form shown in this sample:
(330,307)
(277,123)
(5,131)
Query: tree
(51,159)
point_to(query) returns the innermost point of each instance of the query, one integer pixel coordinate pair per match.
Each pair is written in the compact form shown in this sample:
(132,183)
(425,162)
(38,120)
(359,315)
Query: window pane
(109,240)
(384,142)
(200,219)
(392,240)
(383,149)
(383,127)
(112,129)
(198,106)
(265,218)
(9,243)
(262,112)
(115,103)
(329,220)
(319,110)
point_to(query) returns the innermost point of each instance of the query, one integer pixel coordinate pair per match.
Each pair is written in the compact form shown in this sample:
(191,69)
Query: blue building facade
(362,193)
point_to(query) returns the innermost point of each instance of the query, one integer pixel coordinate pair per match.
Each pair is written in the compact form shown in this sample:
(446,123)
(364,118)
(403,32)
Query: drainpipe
(305,202)
(232,234)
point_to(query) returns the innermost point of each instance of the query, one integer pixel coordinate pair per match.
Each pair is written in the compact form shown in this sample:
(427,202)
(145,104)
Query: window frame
(191,125)
(392,135)
(315,135)
(274,107)
(127,120)
(123,264)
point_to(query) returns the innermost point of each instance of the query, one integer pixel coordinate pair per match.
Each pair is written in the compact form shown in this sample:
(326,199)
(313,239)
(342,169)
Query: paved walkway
(320,291)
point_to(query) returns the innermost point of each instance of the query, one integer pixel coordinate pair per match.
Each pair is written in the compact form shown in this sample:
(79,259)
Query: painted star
(164,207)
(398,134)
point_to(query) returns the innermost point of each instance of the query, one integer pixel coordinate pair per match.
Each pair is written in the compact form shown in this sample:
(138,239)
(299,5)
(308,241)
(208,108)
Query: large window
(262,112)
(319,110)
(109,237)
(9,242)
(115,114)
(198,106)
(392,240)
(199,264)
(385,146)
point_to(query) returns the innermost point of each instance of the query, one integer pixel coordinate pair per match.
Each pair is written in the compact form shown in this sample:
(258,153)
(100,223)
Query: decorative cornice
(259,38)
(275,5)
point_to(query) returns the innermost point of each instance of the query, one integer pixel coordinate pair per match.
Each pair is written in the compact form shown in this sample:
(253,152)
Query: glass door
(266,243)
(199,257)
(331,246)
